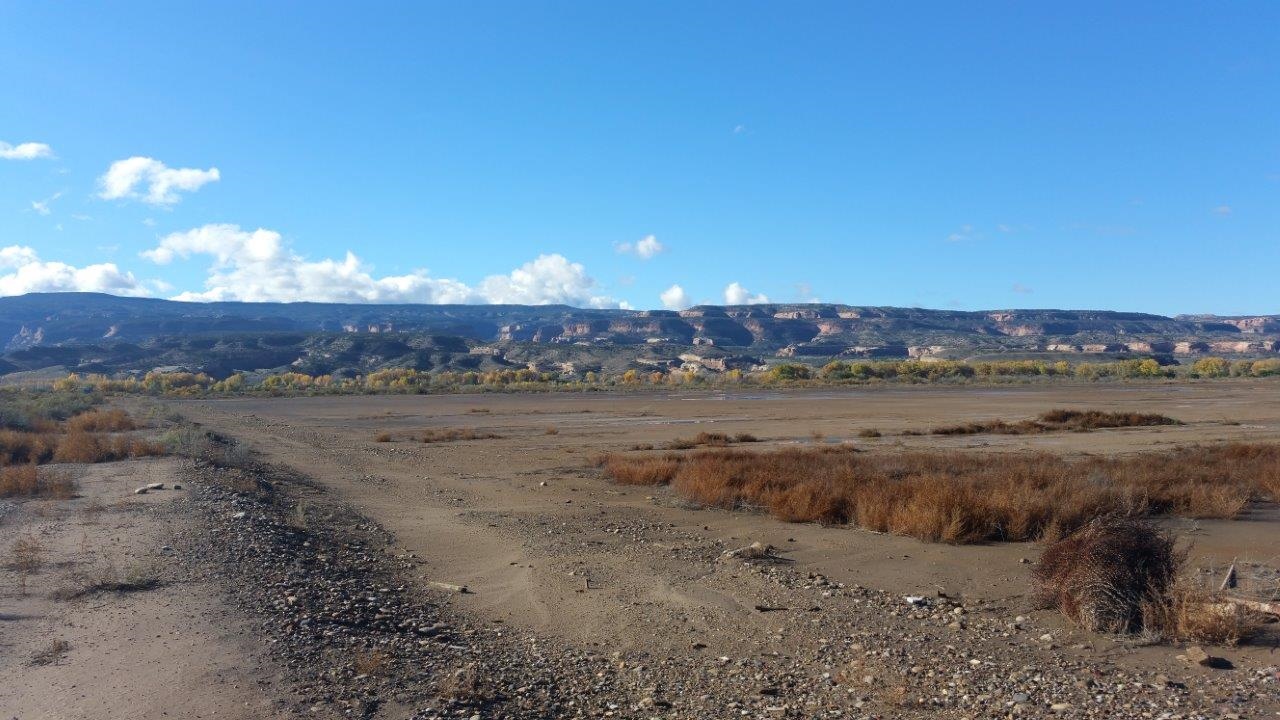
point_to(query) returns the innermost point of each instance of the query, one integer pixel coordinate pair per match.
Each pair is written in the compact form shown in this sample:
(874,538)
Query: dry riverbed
(321,579)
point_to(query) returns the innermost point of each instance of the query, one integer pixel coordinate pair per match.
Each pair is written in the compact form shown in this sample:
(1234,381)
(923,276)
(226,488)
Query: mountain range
(91,332)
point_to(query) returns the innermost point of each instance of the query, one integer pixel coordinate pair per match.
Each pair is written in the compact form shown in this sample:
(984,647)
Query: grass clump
(439,435)
(382,437)
(710,439)
(51,654)
(1124,575)
(960,497)
(1105,576)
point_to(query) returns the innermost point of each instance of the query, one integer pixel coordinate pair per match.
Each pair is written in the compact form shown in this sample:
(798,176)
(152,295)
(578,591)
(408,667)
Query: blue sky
(936,155)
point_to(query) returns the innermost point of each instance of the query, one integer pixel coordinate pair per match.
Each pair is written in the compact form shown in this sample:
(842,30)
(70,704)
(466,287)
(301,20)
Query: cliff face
(44,321)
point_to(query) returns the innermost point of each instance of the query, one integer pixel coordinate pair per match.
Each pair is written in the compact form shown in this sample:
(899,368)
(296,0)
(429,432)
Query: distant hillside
(104,333)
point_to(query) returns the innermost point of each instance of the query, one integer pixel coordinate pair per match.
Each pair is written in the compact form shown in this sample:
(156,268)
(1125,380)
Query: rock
(239,515)
(1199,656)
(449,587)
(140,491)
(155,486)
(754,551)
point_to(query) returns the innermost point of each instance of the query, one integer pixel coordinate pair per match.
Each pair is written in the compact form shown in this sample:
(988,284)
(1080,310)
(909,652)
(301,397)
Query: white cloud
(735,294)
(548,279)
(30,274)
(151,181)
(42,206)
(257,266)
(675,298)
(25,151)
(1222,210)
(644,248)
(964,233)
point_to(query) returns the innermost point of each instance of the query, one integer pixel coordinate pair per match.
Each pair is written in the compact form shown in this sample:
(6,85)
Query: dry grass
(868,433)
(437,435)
(79,446)
(370,662)
(1058,421)
(710,439)
(1193,614)
(101,421)
(51,654)
(1122,575)
(26,481)
(106,578)
(382,437)
(87,438)
(465,686)
(1106,576)
(20,448)
(959,497)
(551,430)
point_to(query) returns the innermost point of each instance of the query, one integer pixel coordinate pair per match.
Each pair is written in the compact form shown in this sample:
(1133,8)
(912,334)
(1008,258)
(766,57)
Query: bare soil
(592,599)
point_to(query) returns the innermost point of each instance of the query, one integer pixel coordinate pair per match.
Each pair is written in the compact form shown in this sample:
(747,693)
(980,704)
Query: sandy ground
(169,652)
(547,545)
(623,581)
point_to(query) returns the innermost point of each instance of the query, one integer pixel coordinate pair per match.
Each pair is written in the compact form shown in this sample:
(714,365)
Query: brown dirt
(527,524)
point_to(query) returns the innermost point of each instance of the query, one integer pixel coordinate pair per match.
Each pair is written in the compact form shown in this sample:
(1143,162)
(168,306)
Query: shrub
(81,447)
(644,471)
(20,448)
(1211,367)
(101,421)
(28,481)
(962,497)
(790,371)
(456,434)
(1107,576)
(1058,420)
(868,433)
(382,437)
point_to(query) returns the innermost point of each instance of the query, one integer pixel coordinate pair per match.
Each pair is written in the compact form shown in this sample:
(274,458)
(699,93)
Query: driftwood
(1258,606)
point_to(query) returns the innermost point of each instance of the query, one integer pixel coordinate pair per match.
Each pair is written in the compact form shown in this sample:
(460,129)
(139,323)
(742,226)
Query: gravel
(340,613)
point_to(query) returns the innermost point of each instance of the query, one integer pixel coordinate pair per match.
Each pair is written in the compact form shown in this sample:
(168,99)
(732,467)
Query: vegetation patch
(1123,575)
(710,439)
(959,497)
(1058,421)
(28,481)
(440,435)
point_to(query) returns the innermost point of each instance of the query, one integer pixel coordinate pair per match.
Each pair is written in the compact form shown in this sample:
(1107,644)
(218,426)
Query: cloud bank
(257,266)
(22,271)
